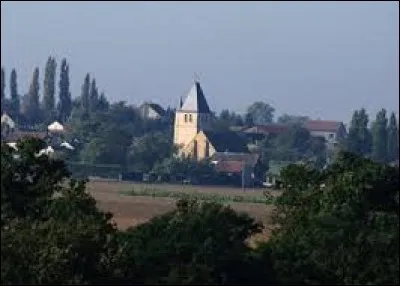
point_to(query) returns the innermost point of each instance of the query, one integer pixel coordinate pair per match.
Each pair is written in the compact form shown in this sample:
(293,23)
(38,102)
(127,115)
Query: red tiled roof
(270,128)
(322,125)
(229,166)
(233,163)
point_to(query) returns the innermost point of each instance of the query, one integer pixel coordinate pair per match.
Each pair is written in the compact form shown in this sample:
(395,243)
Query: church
(195,136)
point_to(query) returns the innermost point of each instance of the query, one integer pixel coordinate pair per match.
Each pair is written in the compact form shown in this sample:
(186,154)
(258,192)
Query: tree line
(380,141)
(31,109)
(116,133)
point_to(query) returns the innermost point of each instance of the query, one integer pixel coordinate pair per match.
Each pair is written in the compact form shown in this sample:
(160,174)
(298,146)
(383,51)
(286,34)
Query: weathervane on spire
(180,102)
(196,77)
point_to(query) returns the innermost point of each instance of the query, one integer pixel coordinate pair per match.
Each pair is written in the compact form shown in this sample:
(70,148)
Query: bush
(346,232)
(199,243)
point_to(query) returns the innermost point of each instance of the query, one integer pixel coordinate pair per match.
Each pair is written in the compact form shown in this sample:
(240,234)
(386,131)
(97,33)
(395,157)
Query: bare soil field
(129,211)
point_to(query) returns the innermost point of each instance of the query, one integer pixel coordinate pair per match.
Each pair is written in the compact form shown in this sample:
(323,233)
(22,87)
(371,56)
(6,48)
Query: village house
(331,131)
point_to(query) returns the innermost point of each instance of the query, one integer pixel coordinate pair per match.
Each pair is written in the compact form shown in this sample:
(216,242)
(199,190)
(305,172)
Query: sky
(321,59)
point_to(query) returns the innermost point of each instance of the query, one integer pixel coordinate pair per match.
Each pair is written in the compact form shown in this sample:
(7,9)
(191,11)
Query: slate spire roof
(195,100)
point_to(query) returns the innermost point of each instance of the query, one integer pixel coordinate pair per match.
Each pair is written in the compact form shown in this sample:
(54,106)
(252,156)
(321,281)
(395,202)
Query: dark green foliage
(248,119)
(93,97)
(105,135)
(379,137)
(195,244)
(32,109)
(295,145)
(67,244)
(3,87)
(359,139)
(343,232)
(292,119)
(85,95)
(49,86)
(65,101)
(103,103)
(15,98)
(227,119)
(186,168)
(259,113)
(109,146)
(393,139)
(52,232)
(22,176)
(150,149)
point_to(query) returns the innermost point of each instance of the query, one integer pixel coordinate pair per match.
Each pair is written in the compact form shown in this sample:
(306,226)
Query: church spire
(195,100)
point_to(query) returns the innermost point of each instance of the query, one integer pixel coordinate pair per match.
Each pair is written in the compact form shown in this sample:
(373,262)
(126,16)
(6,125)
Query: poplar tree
(49,86)
(15,98)
(393,139)
(380,137)
(85,95)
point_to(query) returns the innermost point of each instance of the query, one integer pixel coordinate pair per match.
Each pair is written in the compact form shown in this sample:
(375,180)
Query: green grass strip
(157,193)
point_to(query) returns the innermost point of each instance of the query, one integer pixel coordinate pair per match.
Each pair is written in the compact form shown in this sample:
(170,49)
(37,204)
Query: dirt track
(132,210)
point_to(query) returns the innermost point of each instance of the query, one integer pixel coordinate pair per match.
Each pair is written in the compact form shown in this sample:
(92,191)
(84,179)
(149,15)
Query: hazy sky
(318,59)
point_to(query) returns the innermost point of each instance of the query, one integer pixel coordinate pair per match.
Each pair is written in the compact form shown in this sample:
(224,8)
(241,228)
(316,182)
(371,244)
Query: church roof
(195,100)
(226,141)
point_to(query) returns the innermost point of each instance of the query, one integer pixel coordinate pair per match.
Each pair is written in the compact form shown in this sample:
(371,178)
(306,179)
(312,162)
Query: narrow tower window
(190,118)
(186,119)
(207,153)
(195,149)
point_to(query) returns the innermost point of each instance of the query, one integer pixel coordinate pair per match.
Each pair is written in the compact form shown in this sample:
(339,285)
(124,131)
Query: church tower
(192,116)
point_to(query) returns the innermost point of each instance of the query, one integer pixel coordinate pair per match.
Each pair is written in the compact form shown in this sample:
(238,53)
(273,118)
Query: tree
(49,222)
(380,137)
(393,139)
(15,99)
(3,86)
(186,168)
(248,119)
(227,119)
(103,103)
(93,97)
(296,144)
(338,226)
(196,244)
(65,101)
(149,149)
(32,111)
(53,233)
(260,113)
(359,140)
(109,146)
(85,95)
(105,136)
(292,119)
(49,87)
